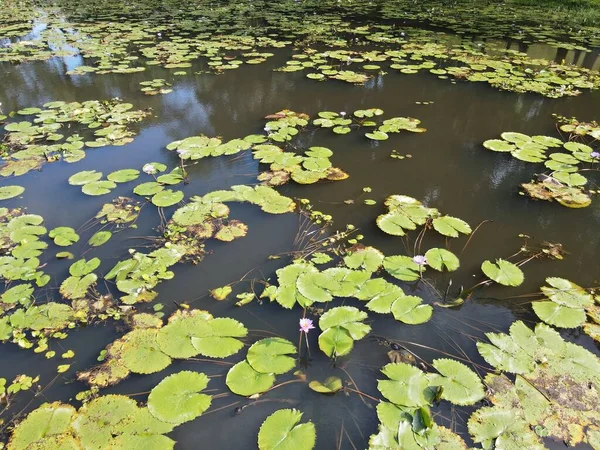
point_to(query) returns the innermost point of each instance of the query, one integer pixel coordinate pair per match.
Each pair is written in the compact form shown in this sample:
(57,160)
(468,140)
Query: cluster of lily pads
(501,68)
(131,46)
(155,87)
(29,144)
(564,183)
(553,395)
(539,386)
(116,421)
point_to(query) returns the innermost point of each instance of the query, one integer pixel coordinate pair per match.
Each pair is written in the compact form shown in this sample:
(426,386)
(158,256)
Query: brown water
(449,170)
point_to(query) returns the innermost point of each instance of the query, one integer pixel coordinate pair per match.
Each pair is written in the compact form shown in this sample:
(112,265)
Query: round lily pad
(7,192)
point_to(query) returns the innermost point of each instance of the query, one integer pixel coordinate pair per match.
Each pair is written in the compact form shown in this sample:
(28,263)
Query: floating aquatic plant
(282,430)
(116,420)
(265,359)
(150,350)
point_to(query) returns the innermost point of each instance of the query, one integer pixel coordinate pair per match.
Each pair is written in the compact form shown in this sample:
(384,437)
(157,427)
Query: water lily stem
(362,394)
(211,361)
(284,383)
(473,234)
(222,407)
(353,382)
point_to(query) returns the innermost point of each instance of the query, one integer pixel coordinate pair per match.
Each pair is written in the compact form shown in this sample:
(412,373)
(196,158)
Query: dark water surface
(449,169)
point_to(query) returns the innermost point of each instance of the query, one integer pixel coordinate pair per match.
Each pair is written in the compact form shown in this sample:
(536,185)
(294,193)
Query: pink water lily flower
(306,325)
(420,260)
(149,169)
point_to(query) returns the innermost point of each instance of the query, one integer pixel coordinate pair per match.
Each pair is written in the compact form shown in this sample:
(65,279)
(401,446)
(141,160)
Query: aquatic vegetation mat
(101,263)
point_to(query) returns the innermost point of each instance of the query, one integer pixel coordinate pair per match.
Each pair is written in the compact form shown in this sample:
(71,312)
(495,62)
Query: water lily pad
(63,236)
(282,431)
(99,238)
(517,138)
(451,226)
(270,355)
(499,145)
(234,229)
(83,267)
(503,272)
(567,293)
(570,179)
(406,213)
(346,317)
(367,258)
(221,293)
(460,385)
(50,419)
(148,189)
(559,315)
(407,385)
(402,267)
(84,177)
(377,135)
(75,287)
(166,198)
(101,187)
(7,192)
(336,341)
(242,379)
(98,419)
(442,259)
(124,175)
(577,147)
(20,294)
(330,386)
(141,352)
(177,398)
(409,309)
(217,338)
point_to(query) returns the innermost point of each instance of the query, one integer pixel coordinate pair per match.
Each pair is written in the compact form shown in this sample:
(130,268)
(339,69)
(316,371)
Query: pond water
(448,169)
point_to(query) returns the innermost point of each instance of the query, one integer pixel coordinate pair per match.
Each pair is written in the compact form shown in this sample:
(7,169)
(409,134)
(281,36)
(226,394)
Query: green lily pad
(517,138)
(177,398)
(503,272)
(50,419)
(242,379)
(140,352)
(336,341)
(403,267)
(282,431)
(570,179)
(367,258)
(166,198)
(124,175)
(101,187)
(451,226)
(377,135)
(84,177)
(346,317)
(409,309)
(148,189)
(99,238)
(499,145)
(7,192)
(221,293)
(83,267)
(270,355)
(63,236)
(460,385)
(330,386)
(442,259)
(407,385)
(559,315)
